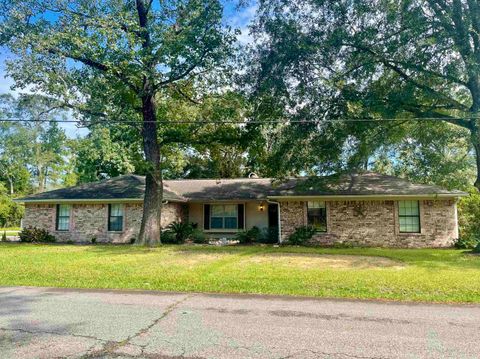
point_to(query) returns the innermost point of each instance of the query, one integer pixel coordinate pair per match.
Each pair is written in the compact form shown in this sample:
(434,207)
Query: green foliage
(4,237)
(198,236)
(301,235)
(32,154)
(169,237)
(371,59)
(101,154)
(36,235)
(180,230)
(469,220)
(269,235)
(10,212)
(249,236)
(477,248)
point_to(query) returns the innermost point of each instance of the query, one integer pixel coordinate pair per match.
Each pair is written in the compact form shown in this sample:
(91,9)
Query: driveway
(47,323)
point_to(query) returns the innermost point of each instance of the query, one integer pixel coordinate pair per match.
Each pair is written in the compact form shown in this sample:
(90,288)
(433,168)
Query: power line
(286,122)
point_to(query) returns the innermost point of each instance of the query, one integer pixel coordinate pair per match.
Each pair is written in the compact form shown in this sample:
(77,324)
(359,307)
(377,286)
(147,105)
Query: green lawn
(10,231)
(397,274)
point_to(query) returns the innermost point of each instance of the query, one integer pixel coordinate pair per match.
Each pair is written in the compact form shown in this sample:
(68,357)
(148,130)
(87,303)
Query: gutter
(372,196)
(89,200)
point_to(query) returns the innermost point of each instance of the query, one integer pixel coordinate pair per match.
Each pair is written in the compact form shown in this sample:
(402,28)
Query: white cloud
(241,19)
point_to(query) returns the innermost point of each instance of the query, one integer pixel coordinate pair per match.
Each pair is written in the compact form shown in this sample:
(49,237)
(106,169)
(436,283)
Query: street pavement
(58,323)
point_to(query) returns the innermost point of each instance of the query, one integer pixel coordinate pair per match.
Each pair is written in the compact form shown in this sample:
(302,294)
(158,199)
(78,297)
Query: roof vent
(253,175)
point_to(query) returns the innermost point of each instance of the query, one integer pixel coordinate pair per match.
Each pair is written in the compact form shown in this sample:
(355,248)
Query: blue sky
(234,16)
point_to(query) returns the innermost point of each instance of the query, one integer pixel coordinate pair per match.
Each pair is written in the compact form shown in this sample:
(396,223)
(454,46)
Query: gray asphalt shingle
(353,184)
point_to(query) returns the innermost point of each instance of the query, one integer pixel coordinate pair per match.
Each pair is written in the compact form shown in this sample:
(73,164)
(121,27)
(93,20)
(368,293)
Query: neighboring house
(360,208)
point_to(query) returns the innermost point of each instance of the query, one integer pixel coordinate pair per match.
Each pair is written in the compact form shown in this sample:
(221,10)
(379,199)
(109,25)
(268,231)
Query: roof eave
(91,200)
(371,196)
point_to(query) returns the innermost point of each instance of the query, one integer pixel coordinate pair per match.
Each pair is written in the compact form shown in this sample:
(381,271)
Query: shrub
(181,230)
(469,220)
(198,237)
(476,249)
(301,235)
(269,235)
(467,242)
(168,237)
(4,236)
(250,236)
(93,240)
(36,235)
(10,212)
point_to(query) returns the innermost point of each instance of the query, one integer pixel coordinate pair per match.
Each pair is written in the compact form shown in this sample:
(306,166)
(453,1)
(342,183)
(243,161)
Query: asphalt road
(48,323)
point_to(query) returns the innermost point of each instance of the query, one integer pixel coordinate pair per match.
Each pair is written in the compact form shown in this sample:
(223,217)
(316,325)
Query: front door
(273,215)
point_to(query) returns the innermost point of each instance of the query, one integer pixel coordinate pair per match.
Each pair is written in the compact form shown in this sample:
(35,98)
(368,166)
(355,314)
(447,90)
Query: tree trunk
(150,228)
(41,182)
(10,183)
(475,136)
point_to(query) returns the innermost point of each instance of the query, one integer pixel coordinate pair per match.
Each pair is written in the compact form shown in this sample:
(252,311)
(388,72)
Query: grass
(10,231)
(368,273)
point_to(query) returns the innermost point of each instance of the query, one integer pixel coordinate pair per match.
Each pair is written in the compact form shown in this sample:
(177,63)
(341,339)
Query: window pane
(63,223)
(116,223)
(231,222)
(217,211)
(116,209)
(409,216)
(216,222)
(64,210)
(317,215)
(230,210)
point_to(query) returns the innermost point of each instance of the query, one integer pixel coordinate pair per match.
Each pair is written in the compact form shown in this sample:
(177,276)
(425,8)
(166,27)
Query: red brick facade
(375,223)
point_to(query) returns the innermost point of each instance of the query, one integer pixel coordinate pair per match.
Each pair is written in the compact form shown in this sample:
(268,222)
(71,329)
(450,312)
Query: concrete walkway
(50,323)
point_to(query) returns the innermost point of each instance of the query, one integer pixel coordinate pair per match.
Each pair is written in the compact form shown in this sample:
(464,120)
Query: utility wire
(200,122)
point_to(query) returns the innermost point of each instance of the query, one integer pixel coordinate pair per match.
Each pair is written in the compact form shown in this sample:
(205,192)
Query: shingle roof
(122,187)
(354,184)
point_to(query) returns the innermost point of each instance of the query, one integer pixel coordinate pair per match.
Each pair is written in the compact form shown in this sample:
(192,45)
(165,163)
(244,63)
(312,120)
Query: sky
(237,18)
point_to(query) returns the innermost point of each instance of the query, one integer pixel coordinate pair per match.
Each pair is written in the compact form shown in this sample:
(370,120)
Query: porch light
(261,208)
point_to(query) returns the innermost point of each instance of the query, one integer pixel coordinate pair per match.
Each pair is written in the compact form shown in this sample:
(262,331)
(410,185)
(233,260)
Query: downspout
(457,234)
(279,221)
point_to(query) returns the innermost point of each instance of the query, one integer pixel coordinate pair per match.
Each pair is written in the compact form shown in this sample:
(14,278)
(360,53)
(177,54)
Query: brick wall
(89,221)
(375,223)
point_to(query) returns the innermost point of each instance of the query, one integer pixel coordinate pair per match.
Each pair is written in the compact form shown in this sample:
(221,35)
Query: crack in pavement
(35,332)
(314,352)
(113,346)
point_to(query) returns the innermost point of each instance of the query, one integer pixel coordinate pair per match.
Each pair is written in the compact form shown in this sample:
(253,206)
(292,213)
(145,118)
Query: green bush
(10,212)
(36,235)
(469,220)
(168,237)
(4,236)
(301,235)
(250,236)
(198,237)
(181,231)
(467,242)
(269,236)
(477,248)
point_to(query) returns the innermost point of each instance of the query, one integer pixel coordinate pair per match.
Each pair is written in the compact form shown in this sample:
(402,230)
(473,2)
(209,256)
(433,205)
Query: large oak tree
(324,59)
(110,60)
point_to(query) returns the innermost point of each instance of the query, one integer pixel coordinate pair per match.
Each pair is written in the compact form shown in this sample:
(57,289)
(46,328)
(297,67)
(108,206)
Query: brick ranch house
(362,208)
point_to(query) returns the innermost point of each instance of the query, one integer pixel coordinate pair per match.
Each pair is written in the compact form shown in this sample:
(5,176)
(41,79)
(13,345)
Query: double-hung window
(317,215)
(63,217)
(115,217)
(224,216)
(409,216)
